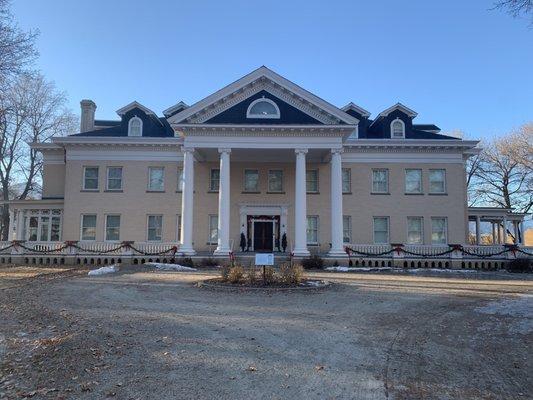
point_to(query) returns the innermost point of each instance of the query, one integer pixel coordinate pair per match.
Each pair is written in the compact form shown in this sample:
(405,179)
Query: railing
(5,247)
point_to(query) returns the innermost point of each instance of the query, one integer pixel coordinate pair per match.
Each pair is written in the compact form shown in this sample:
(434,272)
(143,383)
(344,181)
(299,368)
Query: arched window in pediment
(263,108)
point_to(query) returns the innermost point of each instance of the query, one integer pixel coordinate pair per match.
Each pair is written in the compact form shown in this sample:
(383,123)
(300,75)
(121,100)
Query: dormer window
(397,128)
(263,108)
(135,127)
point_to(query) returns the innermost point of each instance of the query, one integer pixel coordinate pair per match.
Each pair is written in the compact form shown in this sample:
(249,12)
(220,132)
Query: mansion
(261,164)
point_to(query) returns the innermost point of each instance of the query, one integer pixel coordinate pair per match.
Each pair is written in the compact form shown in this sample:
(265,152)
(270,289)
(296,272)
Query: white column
(300,206)
(478,230)
(493,232)
(223,247)
(499,231)
(20,225)
(187,203)
(504,230)
(11,228)
(336,205)
(522,233)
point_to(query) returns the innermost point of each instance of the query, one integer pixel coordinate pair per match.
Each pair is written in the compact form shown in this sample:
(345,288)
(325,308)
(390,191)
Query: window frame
(386,191)
(150,169)
(130,122)
(148,228)
(108,168)
(95,227)
(349,219)
(263,116)
(317,243)
(84,178)
(349,180)
(180,182)
(316,170)
(392,128)
(421,181)
(209,229)
(39,214)
(374,230)
(269,189)
(211,180)
(421,229)
(105,227)
(244,188)
(445,185)
(445,230)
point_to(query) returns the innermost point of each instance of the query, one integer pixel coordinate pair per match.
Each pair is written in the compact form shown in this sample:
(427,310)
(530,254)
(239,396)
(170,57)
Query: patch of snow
(103,270)
(520,308)
(456,271)
(314,283)
(170,267)
(358,269)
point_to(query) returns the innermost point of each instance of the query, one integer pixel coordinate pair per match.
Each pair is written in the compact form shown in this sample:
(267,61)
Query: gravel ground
(143,334)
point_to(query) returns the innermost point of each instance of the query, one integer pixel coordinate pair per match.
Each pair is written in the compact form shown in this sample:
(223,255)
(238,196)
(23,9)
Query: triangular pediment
(263,81)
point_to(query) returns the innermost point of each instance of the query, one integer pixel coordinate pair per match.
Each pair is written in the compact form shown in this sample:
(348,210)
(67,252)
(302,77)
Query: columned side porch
(504,226)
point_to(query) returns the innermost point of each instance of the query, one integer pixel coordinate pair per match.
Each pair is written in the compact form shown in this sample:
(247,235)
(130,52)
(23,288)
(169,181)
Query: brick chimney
(88,108)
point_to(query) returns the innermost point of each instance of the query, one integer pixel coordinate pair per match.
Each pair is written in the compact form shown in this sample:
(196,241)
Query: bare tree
(516,8)
(34,112)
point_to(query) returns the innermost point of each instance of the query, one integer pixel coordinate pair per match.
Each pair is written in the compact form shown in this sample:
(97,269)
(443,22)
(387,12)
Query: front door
(263,239)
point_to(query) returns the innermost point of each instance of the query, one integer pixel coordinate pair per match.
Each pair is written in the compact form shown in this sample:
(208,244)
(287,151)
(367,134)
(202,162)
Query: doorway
(263,236)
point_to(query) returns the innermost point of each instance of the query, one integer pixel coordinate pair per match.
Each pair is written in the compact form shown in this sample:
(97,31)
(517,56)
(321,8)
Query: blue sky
(459,64)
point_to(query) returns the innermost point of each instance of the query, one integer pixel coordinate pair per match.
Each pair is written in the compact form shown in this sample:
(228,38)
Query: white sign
(264,259)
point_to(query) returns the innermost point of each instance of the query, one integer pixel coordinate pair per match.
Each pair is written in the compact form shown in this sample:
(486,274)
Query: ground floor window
(439,230)
(312,229)
(178,228)
(155,228)
(381,230)
(213,229)
(41,225)
(415,230)
(88,227)
(112,227)
(347,229)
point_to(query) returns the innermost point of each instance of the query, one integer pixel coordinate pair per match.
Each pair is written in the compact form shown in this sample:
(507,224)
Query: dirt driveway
(141,334)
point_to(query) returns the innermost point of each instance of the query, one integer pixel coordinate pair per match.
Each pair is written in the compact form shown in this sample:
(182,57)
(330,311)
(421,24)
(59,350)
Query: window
(155,228)
(213,230)
(381,230)
(156,179)
(415,230)
(114,178)
(180,180)
(397,128)
(275,180)
(135,127)
(45,226)
(41,225)
(263,108)
(55,229)
(112,227)
(88,227)
(214,181)
(438,230)
(346,180)
(311,180)
(347,229)
(380,181)
(178,228)
(312,229)
(90,178)
(437,181)
(251,180)
(413,181)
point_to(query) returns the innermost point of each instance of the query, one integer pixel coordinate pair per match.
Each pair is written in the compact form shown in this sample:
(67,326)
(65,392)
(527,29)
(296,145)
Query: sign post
(262,260)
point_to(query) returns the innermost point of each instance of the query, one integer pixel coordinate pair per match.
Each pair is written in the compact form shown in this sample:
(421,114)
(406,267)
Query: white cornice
(123,141)
(132,105)
(398,106)
(218,100)
(357,144)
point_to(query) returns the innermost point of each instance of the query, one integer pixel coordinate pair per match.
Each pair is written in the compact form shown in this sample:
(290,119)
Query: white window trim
(148,183)
(135,118)
(268,116)
(407,229)
(374,229)
(244,189)
(148,227)
(317,230)
(317,180)
(349,180)
(107,179)
(421,180)
(97,178)
(209,242)
(445,230)
(403,129)
(105,227)
(372,180)
(445,188)
(268,181)
(95,228)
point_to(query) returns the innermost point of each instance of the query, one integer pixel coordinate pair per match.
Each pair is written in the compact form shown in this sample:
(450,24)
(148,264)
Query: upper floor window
(180,180)
(413,181)
(90,178)
(346,180)
(311,180)
(114,178)
(135,127)
(263,108)
(437,181)
(156,179)
(380,181)
(214,180)
(397,128)
(275,180)
(251,180)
